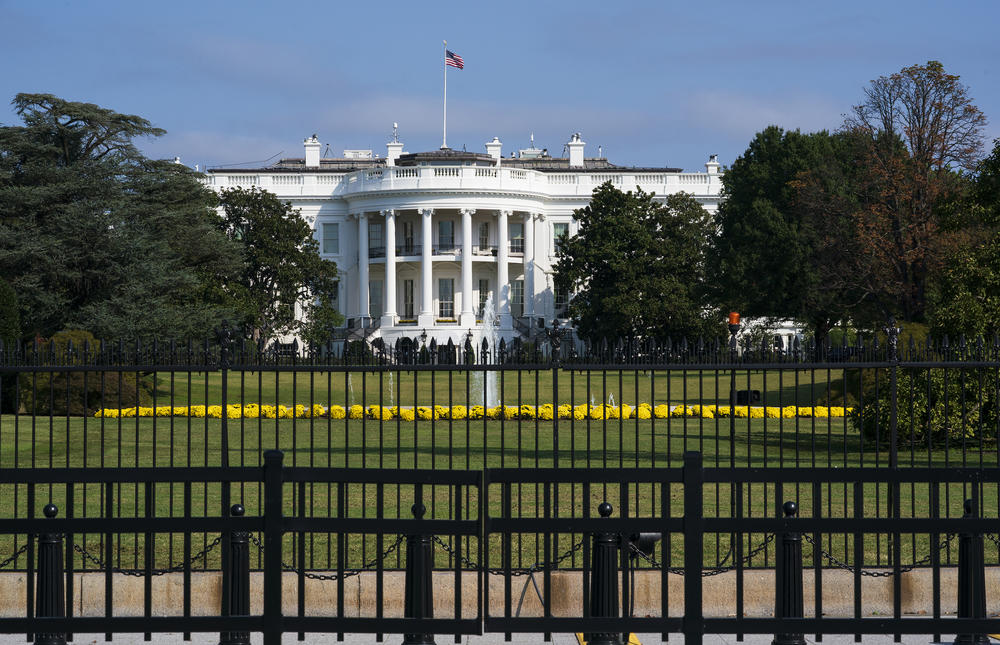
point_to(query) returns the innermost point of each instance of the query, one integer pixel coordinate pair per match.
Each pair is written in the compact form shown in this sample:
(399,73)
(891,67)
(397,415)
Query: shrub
(934,405)
(62,393)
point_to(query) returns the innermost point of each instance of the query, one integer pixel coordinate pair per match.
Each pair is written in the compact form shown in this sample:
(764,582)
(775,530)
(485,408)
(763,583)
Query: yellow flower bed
(544,412)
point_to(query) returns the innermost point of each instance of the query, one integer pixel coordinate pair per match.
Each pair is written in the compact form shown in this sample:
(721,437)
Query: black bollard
(971,579)
(238,572)
(788,580)
(604,581)
(51,597)
(419,599)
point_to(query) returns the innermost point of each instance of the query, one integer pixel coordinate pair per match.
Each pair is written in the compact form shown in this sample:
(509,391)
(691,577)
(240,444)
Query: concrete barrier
(567,594)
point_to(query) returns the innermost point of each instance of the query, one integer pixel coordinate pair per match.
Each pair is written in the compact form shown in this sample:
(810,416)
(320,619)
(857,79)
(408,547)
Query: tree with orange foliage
(922,132)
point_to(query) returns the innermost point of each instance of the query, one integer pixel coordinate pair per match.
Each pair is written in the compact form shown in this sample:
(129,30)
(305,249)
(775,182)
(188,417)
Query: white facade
(461,228)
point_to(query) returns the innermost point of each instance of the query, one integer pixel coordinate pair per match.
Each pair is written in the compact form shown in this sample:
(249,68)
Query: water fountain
(484,384)
(390,390)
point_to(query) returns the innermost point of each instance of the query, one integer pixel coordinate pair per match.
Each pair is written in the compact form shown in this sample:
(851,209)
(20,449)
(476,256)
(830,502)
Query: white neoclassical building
(423,241)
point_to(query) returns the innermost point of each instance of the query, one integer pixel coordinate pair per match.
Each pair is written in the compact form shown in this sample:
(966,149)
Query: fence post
(419,598)
(604,580)
(51,599)
(694,544)
(237,570)
(788,579)
(272,547)
(971,579)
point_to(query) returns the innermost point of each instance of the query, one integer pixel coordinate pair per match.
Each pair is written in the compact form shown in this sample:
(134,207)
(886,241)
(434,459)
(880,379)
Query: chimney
(312,152)
(575,146)
(493,149)
(712,165)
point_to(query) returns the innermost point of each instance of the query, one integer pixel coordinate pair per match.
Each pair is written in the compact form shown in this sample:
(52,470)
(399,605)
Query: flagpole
(444,132)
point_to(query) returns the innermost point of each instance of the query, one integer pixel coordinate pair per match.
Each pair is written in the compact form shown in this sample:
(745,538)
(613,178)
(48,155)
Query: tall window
(331,238)
(561,302)
(375,298)
(484,235)
(446,234)
(408,299)
(560,231)
(446,298)
(408,238)
(375,242)
(335,296)
(484,294)
(517,237)
(517,298)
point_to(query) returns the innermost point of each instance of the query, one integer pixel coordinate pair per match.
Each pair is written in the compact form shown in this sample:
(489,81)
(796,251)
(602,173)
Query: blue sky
(653,83)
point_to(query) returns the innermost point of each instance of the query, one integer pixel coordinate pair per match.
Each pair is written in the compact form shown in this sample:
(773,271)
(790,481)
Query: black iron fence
(463,527)
(464,404)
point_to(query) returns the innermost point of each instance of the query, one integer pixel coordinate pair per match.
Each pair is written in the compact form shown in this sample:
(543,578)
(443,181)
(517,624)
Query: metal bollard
(419,599)
(51,596)
(971,579)
(604,581)
(788,580)
(237,569)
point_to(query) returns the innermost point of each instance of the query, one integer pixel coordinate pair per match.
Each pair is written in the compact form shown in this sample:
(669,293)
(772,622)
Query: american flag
(451,59)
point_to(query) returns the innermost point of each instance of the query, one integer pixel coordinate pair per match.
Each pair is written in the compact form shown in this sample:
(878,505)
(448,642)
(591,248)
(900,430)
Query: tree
(920,126)
(95,236)
(281,268)
(636,267)
(782,235)
(965,294)
(10,331)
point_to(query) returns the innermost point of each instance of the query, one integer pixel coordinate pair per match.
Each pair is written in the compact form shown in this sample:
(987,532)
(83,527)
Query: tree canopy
(921,130)
(280,269)
(636,267)
(781,239)
(95,236)
(965,294)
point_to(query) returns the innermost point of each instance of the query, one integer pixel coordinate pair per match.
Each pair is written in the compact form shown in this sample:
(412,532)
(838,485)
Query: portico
(457,248)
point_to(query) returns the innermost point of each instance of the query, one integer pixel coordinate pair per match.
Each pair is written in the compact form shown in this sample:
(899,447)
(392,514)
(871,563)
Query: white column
(426,317)
(503,280)
(389,313)
(529,264)
(468,315)
(363,310)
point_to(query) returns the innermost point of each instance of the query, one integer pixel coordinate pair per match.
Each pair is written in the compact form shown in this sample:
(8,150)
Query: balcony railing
(515,248)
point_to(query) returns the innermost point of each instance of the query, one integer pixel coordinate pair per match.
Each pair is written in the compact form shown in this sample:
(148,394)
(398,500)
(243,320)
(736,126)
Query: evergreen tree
(95,236)
(636,267)
(280,269)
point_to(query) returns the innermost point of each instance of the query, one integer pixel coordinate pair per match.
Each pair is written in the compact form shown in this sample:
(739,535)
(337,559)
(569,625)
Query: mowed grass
(43,442)
(513,386)
(459,445)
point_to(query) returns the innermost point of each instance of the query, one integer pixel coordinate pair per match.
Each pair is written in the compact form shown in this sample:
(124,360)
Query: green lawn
(36,441)
(391,387)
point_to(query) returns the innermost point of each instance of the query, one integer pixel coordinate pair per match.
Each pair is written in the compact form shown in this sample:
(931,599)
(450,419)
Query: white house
(424,240)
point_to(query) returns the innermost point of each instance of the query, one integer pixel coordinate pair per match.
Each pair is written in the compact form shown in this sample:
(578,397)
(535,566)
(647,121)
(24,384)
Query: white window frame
(330,226)
(446,307)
